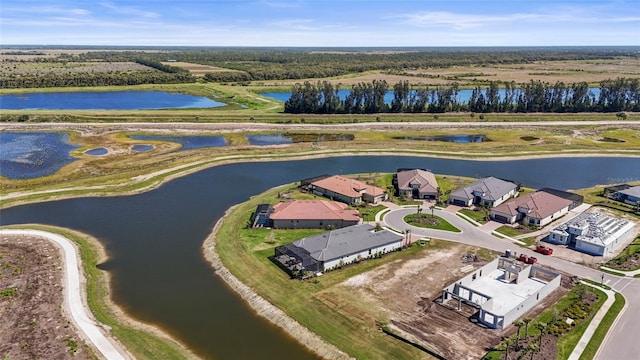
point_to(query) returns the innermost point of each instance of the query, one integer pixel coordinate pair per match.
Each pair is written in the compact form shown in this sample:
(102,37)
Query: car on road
(544,250)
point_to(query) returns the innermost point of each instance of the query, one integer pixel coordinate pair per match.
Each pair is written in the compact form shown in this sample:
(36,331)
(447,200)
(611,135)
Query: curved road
(73,293)
(620,342)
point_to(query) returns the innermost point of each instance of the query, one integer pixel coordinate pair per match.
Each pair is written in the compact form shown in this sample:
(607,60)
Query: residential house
(594,233)
(503,290)
(538,209)
(576,199)
(312,214)
(347,190)
(336,248)
(629,196)
(489,192)
(416,183)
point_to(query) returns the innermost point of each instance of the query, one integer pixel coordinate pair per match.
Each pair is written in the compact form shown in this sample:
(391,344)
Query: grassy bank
(142,341)
(245,253)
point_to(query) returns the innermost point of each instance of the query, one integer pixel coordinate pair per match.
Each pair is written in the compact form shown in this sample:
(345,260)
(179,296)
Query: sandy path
(240,126)
(73,289)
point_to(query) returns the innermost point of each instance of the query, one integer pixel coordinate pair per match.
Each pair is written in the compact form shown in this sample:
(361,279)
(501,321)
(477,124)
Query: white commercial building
(593,233)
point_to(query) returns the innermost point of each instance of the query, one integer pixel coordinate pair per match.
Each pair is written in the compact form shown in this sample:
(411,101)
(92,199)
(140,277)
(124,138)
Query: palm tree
(508,342)
(432,207)
(526,322)
(533,348)
(519,324)
(419,211)
(542,327)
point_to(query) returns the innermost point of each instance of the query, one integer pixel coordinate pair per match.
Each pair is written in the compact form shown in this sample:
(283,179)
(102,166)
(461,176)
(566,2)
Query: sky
(323,23)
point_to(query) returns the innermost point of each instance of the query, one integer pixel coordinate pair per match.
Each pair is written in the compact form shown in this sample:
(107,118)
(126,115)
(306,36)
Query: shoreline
(49,233)
(264,308)
(201,165)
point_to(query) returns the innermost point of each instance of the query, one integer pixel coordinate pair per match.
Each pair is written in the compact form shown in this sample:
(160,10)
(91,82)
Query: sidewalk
(593,325)
(631,273)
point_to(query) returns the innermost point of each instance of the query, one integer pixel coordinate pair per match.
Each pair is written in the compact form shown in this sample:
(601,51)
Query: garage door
(499,218)
(459,202)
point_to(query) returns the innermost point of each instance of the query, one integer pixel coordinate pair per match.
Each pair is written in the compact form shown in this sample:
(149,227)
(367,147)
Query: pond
(155,239)
(104,100)
(463,139)
(289,138)
(97,151)
(32,155)
(187,142)
(142,148)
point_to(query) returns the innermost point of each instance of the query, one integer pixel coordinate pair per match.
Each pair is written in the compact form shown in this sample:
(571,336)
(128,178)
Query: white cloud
(130,10)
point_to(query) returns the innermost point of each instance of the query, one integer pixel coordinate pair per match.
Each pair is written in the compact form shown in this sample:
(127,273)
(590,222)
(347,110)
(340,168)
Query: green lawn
(369,212)
(245,253)
(630,252)
(510,231)
(438,222)
(478,216)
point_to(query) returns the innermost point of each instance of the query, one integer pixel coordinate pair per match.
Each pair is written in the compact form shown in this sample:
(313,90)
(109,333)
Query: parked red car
(527,259)
(544,250)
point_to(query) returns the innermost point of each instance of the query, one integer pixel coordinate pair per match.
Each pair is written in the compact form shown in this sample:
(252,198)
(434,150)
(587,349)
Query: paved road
(73,294)
(620,343)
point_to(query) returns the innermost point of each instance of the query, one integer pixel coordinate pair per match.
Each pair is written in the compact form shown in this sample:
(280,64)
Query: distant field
(42,68)
(591,71)
(196,69)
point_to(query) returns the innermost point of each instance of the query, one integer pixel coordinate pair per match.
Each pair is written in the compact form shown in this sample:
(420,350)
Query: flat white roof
(506,296)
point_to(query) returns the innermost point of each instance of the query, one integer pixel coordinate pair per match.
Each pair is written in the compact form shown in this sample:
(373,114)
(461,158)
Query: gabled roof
(335,244)
(633,191)
(313,210)
(347,187)
(492,188)
(425,179)
(539,205)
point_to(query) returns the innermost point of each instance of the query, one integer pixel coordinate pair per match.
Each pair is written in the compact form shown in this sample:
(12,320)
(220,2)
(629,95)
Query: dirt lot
(32,322)
(402,294)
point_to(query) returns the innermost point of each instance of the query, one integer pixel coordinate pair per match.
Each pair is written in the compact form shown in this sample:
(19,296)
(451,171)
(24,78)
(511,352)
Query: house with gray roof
(629,196)
(489,192)
(417,183)
(333,249)
(594,233)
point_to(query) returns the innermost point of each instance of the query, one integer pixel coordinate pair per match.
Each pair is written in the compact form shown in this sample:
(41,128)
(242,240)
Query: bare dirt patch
(33,324)
(403,293)
(197,69)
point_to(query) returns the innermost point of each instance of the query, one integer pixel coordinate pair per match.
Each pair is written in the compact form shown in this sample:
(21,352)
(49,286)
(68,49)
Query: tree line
(619,94)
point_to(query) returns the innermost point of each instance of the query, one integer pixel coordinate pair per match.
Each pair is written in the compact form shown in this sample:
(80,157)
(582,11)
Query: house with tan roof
(416,183)
(347,190)
(489,192)
(538,209)
(313,214)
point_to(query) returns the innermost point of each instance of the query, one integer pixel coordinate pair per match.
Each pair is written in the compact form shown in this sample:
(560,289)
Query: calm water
(155,238)
(97,151)
(142,148)
(32,155)
(107,100)
(289,138)
(188,142)
(463,95)
(463,139)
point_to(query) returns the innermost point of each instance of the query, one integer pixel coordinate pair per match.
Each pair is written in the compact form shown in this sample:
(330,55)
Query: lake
(290,138)
(154,239)
(32,155)
(188,142)
(461,139)
(463,95)
(104,100)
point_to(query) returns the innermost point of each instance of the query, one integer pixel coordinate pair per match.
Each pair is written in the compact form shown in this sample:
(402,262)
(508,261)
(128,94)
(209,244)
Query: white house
(503,290)
(594,233)
(489,192)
